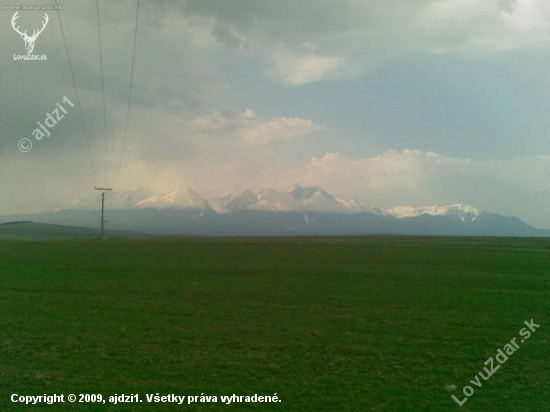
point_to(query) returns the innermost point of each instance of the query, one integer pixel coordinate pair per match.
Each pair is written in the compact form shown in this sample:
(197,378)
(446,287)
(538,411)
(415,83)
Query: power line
(77,97)
(103,189)
(102,90)
(129,97)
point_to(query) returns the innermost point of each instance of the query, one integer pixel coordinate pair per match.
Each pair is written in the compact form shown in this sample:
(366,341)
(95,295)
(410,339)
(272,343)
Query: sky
(389,102)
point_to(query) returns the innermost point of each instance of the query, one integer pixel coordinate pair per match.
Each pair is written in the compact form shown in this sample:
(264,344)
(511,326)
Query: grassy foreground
(356,324)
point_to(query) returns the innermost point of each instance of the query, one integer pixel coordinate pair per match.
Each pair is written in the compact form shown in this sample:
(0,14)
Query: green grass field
(353,324)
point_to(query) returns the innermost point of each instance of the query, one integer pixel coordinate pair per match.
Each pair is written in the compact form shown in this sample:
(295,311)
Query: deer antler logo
(29,40)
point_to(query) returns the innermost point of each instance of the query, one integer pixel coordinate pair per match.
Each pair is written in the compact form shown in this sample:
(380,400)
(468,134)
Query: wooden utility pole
(103,189)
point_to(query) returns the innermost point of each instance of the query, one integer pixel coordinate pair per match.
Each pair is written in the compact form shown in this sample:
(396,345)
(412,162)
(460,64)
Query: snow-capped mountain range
(311,199)
(301,211)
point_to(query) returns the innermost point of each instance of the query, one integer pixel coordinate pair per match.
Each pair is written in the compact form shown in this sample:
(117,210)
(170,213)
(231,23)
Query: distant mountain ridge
(465,213)
(301,211)
(299,199)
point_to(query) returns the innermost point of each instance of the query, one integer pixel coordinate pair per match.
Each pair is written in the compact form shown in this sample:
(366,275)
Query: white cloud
(469,27)
(518,187)
(249,127)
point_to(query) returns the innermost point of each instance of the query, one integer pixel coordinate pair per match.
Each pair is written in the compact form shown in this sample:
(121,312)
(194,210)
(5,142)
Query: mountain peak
(301,192)
(178,199)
